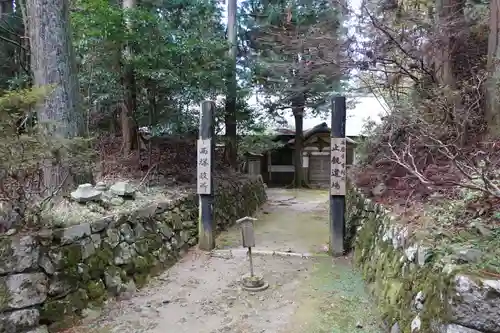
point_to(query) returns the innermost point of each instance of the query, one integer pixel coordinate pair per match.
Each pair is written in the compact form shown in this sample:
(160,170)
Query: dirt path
(201,294)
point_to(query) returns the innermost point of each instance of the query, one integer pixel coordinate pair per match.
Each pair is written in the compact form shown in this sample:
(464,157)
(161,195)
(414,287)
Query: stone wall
(60,272)
(419,288)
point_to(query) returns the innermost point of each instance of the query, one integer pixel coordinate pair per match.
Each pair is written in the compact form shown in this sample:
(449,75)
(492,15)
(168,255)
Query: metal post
(206,154)
(337,176)
(250,282)
(251,261)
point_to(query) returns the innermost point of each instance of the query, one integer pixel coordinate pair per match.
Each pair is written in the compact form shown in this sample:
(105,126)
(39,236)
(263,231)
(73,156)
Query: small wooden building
(277,166)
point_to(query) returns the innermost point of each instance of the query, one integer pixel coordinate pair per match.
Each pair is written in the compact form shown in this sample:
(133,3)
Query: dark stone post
(338,176)
(206,155)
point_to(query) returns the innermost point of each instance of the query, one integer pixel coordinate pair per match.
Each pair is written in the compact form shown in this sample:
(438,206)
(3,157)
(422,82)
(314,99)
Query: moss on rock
(97,263)
(5,297)
(54,310)
(141,279)
(96,291)
(158,235)
(394,279)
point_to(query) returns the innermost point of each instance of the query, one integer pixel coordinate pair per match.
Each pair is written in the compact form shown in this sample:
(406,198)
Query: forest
(83,82)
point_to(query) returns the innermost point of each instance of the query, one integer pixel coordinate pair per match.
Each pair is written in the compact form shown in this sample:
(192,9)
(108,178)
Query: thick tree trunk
(8,51)
(230,108)
(298,114)
(493,102)
(231,149)
(6,7)
(53,64)
(129,128)
(450,20)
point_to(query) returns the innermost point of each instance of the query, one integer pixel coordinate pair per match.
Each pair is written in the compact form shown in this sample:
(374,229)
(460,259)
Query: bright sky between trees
(366,109)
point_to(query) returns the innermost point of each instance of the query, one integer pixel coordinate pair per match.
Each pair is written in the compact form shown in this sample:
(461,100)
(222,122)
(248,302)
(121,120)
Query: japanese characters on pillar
(204,160)
(338,149)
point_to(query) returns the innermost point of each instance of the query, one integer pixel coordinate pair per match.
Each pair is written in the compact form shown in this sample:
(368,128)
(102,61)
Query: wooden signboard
(338,175)
(204,160)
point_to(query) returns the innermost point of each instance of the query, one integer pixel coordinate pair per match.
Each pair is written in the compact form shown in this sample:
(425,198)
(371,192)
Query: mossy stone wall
(417,287)
(60,272)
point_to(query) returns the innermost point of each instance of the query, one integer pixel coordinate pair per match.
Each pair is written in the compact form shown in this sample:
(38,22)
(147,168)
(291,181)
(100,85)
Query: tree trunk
(6,7)
(53,63)
(231,139)
(230,107)
(450,20)
(493,65)
(298,114)
(129,128)
(9,49)
(447,20)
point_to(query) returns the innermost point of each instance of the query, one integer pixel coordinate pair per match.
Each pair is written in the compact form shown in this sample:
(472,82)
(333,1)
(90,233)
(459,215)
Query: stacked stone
(416,292)
(23,287)
(60,272)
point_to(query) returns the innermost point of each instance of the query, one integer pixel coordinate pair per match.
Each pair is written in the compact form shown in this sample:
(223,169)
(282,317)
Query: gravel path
(201,294)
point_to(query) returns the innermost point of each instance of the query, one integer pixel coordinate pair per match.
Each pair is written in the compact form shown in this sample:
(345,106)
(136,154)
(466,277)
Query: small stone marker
(85,193)
(123,189)
(101,186)
(250,282)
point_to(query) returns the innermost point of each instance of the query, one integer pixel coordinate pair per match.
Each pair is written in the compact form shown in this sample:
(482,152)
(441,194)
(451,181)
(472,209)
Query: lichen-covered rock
(139,231)
(127,234)
(46,264)
(18,254)
(124,254)
(163,255)
(19,291)
(478,306)
(45,237)
(113,279)
(112,237)
(148,245)
(184,235)
(128,289)
(75,232)
(117,201)
(88,247)
(101,186)
(101,224)
(96,240)
(19,321)
(148,211)
(165,230)
(60,285)
(85,193)
(123,189)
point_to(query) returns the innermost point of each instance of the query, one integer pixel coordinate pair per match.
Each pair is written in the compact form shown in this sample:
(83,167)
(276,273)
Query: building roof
(320,128)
